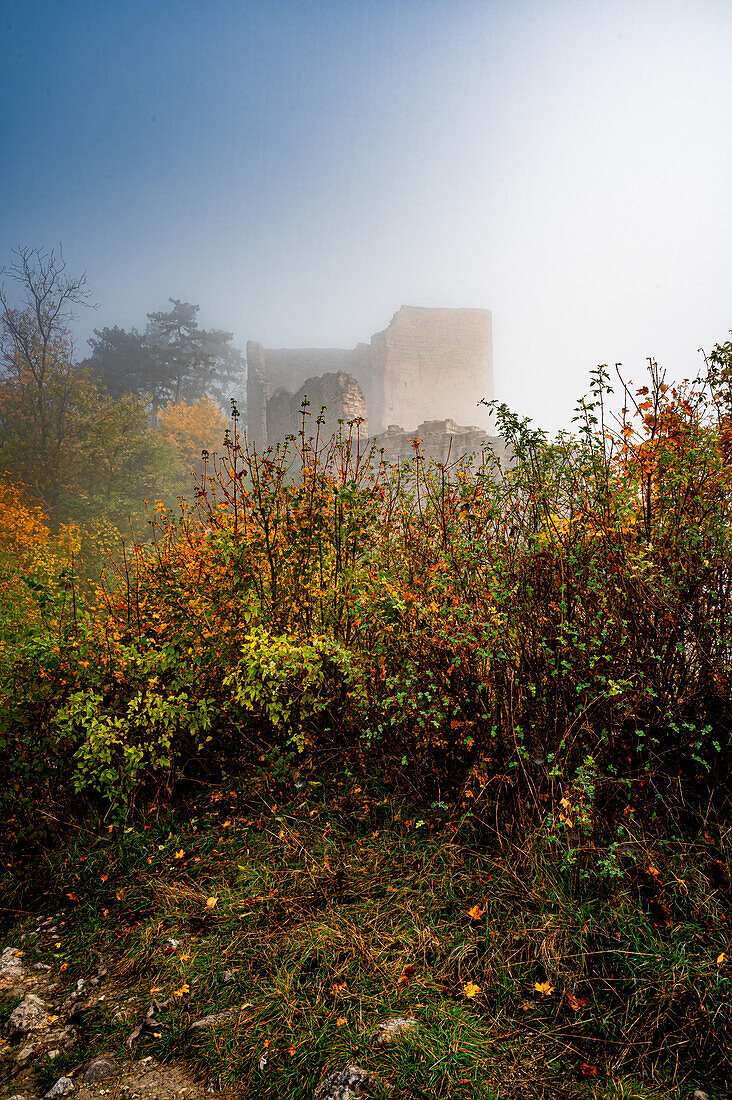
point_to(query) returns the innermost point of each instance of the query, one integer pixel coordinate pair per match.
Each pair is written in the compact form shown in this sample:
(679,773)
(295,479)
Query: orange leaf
(470,989)
(211,902)
(406,974)
(544,987)
(476,912)
(341,1021)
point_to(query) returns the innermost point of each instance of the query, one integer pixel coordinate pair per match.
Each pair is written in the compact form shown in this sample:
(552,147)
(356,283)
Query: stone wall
(426,363)
(433,362)
(339,393)
(439,440)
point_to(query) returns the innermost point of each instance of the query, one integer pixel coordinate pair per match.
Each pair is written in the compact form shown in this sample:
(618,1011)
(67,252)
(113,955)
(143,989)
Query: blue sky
(302,169)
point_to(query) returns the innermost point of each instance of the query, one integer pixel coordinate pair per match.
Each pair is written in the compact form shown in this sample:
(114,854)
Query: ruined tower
(428,364)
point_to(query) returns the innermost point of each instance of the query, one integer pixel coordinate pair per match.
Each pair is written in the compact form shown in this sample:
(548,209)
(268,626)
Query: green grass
(336,910)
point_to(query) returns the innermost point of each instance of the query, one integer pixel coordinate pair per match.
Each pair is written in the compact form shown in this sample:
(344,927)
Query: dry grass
(322,926)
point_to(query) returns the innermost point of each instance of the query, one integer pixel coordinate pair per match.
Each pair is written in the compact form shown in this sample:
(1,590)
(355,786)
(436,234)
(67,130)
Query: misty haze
(366,550)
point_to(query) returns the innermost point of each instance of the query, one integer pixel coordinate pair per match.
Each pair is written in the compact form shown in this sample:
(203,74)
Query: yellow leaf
(544,987)
(476,912)
(211,902)
(184,958)
(182,991)
(566,803)
(179,854)
(470,989)
(722,959)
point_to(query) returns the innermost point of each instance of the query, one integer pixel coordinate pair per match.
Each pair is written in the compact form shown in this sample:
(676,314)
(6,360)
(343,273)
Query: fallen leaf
(182,991)
(722,959)
(576,1003)
(588,1070)
(51,1019)
(544,987)
(338,987)
(180,853)
(211,902)
(184,958)
(470,989)
(341,1021)
(290,1051)
(476,912)
(406,974)
(63,966)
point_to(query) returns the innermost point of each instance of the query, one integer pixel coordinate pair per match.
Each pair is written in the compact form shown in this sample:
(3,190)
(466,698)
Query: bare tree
(36,356)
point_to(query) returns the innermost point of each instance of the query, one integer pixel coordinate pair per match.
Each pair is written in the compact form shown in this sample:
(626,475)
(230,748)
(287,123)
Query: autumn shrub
(545,643)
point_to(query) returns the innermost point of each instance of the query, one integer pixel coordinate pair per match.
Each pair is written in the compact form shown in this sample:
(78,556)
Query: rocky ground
(44,1024)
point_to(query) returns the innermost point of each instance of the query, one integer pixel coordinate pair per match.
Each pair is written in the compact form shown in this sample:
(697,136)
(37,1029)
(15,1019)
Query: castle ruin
(427,364)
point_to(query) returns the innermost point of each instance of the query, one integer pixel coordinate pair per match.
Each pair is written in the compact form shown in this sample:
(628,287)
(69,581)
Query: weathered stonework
(426,363)
(440,441)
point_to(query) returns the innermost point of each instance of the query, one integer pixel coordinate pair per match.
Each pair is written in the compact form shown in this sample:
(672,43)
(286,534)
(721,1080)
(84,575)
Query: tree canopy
(173,360)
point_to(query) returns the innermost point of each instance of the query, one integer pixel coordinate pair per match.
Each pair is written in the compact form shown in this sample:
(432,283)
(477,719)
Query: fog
(301,170)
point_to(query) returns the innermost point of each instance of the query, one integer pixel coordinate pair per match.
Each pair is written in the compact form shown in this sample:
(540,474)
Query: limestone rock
(100,1068)
(62,1086)
(12,973)
(209,1021)
(28,1018)
(388,1031)
(348,1084)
